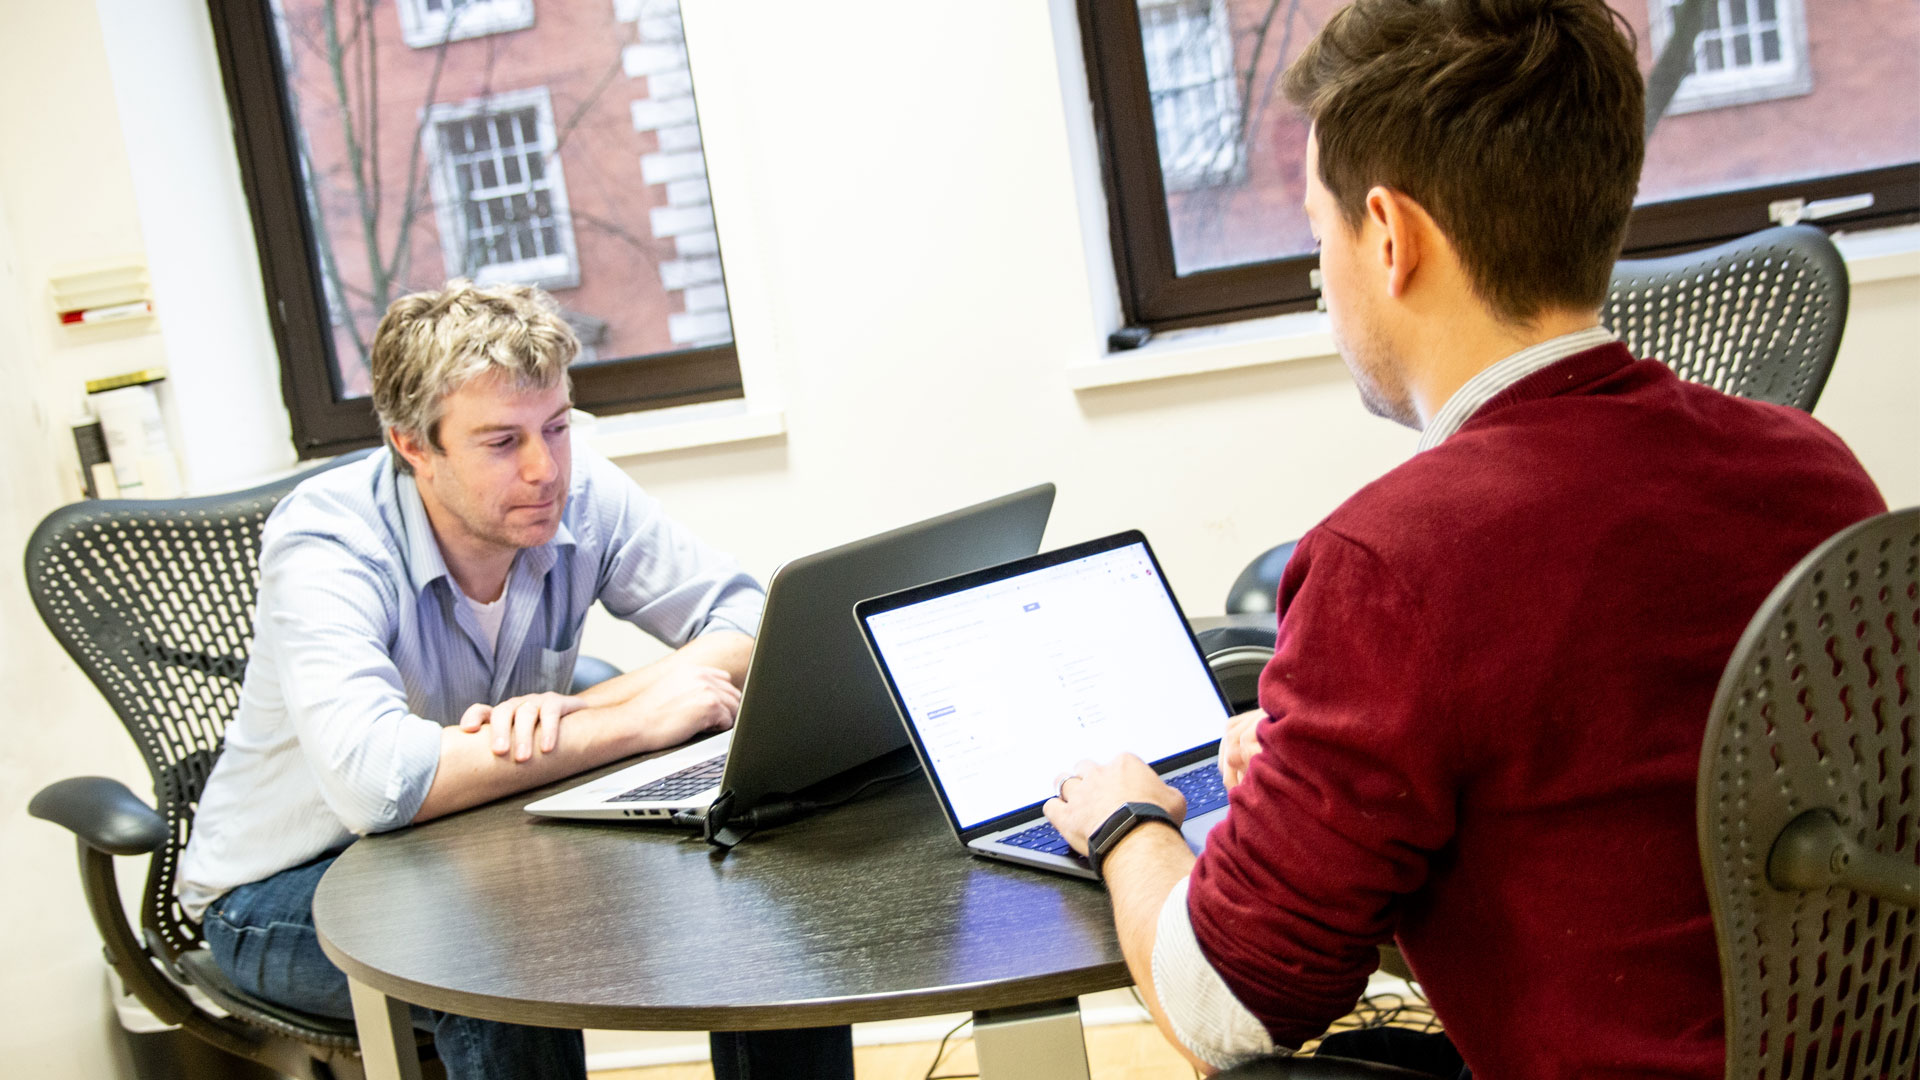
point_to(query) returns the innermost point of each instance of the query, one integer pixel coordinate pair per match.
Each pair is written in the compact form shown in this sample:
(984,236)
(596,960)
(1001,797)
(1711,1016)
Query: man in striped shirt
(418,620)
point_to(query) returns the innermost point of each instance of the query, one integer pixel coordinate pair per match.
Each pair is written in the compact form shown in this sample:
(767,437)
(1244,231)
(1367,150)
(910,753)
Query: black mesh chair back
(154,601)
(1759,317)
(1809,819)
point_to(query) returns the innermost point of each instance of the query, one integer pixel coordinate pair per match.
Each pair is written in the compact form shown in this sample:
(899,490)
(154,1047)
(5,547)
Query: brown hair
(1516,124)
(429,344)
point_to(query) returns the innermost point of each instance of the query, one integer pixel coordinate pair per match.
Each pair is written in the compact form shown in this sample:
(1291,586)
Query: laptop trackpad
(1195,829)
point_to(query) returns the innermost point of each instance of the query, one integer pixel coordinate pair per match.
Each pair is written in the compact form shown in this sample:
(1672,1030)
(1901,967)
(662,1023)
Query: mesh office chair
(1809,819)
(1759,317)
(154,600)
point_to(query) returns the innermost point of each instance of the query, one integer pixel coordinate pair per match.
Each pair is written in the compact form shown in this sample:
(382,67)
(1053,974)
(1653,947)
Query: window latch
(1794,211)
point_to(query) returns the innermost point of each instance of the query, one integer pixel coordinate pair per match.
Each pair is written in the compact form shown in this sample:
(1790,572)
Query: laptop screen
(1011,682)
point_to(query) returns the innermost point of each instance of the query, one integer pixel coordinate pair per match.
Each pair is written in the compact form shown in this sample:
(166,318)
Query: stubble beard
(1382,393)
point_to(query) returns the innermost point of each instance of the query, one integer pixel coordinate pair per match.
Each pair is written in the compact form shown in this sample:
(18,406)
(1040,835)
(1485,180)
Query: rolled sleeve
(1207,1019)
(330,618)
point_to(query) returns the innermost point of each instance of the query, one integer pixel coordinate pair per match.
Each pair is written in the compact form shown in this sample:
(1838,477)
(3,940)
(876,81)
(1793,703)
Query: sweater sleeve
(1346,806)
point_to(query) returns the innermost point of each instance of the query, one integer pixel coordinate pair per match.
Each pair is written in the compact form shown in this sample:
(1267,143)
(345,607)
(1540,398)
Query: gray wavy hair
(429,344)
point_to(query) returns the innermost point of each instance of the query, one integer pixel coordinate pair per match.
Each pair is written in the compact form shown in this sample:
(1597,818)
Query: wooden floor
(1114,1052)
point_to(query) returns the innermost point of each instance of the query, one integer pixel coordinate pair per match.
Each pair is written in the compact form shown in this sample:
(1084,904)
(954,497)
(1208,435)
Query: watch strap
(1118,824)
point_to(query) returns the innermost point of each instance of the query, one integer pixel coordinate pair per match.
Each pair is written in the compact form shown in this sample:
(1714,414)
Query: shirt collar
(425,563)
(1496,377)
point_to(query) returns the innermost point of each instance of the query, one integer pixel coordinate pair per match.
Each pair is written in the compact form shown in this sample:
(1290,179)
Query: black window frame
(1154,295)
(324,423)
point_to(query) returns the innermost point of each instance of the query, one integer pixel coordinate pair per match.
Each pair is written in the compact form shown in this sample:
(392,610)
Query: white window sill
(1880,254)
(1876,255)
(1272,340)
(681,427)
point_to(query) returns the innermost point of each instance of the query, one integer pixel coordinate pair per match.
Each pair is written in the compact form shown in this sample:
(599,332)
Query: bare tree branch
(402,262)
(337,67)
(580,112)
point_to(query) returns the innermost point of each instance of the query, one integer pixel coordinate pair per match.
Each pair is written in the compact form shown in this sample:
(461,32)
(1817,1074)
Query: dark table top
(869,911)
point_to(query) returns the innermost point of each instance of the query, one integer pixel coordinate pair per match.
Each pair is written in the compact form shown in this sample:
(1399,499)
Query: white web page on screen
(1011,683)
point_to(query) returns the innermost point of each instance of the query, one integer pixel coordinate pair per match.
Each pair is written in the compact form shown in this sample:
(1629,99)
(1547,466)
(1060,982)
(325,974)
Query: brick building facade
(508,140)
(1784,89)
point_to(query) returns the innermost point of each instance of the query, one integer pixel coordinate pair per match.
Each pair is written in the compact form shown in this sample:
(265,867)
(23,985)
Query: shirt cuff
(1208,1020)
(418,753)
(739,608)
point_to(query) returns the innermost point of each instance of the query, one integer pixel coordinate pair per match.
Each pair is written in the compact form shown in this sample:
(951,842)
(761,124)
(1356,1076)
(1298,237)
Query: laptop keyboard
(1203,788)
(691,780)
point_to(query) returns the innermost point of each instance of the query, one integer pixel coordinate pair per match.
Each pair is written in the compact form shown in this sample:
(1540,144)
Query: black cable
(869,785)
(767,815)
(940,1052)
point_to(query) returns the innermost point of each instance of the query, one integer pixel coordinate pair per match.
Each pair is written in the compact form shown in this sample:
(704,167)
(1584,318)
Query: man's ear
(1402,225)
(410,447)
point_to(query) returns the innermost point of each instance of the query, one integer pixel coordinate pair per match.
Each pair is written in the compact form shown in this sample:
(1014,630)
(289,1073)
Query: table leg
(386,1034)
(1031,1042)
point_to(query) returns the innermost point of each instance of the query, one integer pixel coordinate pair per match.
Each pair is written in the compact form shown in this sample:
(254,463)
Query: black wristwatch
(1119,824)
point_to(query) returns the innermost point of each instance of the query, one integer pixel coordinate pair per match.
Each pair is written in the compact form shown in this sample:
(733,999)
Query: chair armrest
(103,813)
(589,671)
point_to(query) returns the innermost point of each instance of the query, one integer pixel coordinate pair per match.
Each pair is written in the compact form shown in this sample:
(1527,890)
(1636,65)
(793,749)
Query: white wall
(902,210)
(65,198)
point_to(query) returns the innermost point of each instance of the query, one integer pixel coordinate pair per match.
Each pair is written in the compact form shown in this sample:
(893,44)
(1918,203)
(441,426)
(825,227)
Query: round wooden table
(868,911)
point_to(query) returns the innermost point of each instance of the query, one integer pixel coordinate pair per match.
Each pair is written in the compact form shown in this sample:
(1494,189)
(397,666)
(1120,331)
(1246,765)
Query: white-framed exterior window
(427,23)
(499,193)
(1747,51)
(1196,107)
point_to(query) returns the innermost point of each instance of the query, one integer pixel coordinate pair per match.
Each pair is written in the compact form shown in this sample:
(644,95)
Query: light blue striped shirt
(364,648)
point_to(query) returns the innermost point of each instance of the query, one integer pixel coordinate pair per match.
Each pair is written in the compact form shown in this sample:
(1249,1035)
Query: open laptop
(1007,677)
(812,706)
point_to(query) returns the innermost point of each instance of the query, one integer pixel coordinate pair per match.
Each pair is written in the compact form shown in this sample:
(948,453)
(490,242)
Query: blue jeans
(262,938)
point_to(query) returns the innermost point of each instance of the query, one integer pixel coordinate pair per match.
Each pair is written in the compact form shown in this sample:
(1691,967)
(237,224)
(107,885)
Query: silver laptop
(812,706)
(1007,677)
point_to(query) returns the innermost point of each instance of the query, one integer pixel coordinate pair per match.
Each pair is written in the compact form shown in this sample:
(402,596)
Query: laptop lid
(1006,677)
(812,706)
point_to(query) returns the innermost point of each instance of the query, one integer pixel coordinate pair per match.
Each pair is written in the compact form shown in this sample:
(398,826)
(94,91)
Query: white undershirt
(490,616)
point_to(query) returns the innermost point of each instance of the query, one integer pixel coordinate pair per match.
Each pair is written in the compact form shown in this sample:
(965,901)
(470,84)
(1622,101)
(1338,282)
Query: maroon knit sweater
(1490,688)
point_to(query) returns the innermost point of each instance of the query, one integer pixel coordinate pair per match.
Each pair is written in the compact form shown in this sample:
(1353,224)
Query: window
(1202,156)
(425,24)
(383,152)
(1747,50)
(499,192)
(1190,76)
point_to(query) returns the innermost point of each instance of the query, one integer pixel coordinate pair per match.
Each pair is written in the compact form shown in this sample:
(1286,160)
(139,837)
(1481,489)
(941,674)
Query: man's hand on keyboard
(1091,793)
(1238,745)
(523,722)
(687,701)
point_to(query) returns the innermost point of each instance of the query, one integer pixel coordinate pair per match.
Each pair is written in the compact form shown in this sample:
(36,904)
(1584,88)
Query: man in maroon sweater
(1480,730)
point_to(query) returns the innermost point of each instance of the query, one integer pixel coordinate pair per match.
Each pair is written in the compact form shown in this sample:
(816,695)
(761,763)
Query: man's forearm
(1140,873)
(470,773)
(728,650)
